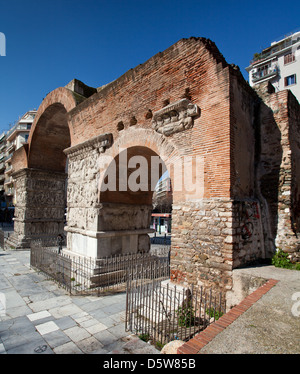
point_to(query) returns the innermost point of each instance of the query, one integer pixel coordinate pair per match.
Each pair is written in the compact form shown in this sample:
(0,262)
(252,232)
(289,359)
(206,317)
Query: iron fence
(55,265)
(161,312)
(155,309)
(160,240)
(1,239)
(85,275)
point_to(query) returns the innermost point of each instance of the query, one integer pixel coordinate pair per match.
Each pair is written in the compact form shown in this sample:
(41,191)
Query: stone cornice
(38,172)
(107,234)
(100,142)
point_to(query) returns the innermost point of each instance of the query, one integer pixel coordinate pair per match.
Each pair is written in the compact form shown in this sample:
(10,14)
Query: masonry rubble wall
(278,169)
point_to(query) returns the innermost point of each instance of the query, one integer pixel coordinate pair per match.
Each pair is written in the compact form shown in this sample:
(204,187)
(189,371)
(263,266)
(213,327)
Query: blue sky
(48,43)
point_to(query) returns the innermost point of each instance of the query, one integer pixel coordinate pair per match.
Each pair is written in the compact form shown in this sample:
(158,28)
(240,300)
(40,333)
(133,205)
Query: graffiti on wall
(248,213)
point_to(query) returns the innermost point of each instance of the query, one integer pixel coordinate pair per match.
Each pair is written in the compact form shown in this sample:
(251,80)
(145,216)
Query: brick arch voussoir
(162,146)
(60,95)
(148,138)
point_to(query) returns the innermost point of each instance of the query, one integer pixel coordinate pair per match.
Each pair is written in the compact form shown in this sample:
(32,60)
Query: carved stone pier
(40,206)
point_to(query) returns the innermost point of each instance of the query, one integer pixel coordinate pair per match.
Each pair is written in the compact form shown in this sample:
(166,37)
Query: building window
(262,71)
(288,81)
(289,57)
(26,137)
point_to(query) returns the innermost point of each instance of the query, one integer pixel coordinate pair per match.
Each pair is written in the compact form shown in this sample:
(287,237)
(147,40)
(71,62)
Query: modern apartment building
(15,138)
(2,163)
(279,64)
(161,217)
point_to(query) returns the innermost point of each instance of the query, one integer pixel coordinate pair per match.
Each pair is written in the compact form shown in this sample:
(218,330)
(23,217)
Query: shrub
(144,337)
(281,260)
(186,315)
(214,313)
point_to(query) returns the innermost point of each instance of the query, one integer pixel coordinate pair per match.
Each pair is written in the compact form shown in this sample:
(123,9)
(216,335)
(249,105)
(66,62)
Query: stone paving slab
(65,322)
(38,315)
(41,318)
(47,327)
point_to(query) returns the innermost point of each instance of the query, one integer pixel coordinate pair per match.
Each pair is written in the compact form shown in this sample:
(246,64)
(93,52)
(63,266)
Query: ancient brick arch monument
(231,153)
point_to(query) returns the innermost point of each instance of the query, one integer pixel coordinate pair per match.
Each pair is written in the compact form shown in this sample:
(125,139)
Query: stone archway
(102,222)
(49,138)
(125,200)
(41,183)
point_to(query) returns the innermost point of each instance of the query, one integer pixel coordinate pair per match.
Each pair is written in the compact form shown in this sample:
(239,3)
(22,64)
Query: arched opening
(49,139)
(127,184)
(41,207)
(161,218)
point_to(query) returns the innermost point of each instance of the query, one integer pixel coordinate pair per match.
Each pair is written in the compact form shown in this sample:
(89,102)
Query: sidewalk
(41,318)
(265,322)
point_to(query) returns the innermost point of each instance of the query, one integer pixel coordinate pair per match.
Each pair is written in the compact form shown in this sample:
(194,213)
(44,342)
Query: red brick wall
(242,138)
(60,95)
(19,159)
(191,67)
(50,133)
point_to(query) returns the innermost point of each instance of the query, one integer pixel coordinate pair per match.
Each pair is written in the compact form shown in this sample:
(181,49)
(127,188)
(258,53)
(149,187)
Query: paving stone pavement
(38,317)
(271,325)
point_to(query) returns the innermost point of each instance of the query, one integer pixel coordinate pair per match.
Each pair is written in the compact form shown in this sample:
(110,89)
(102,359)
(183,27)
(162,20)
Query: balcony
(7,158)
(16,129)
(8,181)
(271,72)
(9,192)
(10,147)
(275,49)
(8,170)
